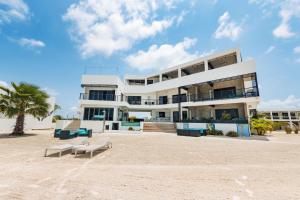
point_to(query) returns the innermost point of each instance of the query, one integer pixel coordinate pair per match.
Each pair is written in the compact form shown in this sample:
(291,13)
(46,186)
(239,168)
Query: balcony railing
(239,93)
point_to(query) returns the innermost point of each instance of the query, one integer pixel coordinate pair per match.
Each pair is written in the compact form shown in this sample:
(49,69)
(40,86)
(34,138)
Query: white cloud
(3,83)
(227,28)
(270,49)
(288,103)
(51,91)
(13,10)
(74,109)
(164,56)
(288,10)
(297,50)
(31,43)
(284,30)
(181,17)
(105,27)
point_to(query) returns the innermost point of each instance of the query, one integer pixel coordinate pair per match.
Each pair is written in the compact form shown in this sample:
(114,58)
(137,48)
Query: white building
(220,89)
(291,116)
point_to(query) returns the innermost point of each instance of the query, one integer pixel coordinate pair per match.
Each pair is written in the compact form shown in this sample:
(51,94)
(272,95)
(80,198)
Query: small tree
(23,99)
(261,126)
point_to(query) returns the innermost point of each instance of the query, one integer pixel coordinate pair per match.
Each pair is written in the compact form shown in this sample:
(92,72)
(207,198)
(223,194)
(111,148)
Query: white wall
(96,126)
(218,126)
(7,125)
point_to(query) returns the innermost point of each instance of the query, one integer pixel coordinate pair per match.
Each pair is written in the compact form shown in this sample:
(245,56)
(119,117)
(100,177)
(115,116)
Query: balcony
(222,95)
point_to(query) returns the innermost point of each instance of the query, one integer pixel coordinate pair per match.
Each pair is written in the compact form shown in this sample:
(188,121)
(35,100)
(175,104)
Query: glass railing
(204,96)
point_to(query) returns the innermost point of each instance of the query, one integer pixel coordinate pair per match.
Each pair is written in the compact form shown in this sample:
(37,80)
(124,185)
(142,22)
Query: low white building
(220,89)
(291,116)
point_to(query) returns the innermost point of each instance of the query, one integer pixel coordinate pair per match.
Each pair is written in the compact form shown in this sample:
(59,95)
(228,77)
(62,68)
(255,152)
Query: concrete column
(290,118)
(179,104)
(179,73)
(271,114)
(160,78)
(115,118)
(206,65)
(238,56)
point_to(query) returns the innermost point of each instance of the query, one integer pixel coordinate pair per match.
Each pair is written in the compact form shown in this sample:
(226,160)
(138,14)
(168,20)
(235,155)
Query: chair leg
(46,153)
(60,154)
(91,154)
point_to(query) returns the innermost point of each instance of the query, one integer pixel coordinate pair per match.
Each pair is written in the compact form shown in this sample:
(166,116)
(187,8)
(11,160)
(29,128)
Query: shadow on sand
(254,137)
(9,135)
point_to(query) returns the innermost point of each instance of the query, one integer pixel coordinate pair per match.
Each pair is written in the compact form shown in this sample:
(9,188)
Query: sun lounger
(60,148)
(75,143)
(104,143)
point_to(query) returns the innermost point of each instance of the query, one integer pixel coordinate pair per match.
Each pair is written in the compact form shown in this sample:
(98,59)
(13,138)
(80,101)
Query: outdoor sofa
(193,132)
(67,134)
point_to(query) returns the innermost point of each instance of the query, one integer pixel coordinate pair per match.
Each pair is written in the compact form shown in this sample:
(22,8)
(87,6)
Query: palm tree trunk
(19,127)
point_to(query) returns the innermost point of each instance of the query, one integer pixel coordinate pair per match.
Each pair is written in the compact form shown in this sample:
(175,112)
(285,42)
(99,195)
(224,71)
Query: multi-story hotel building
(219,88)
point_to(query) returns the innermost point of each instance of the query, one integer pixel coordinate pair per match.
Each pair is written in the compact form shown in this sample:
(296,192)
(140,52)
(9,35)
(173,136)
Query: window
(135,100)
(285,115)
(149,82)
(275,115)
(163,100)
(89,113)
(103,95)
(293,115)
(175,98)
(136,82)
(225,93)
(162,114)
(231,113)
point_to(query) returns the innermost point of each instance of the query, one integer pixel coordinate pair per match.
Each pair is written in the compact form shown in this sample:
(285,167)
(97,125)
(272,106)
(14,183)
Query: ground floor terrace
(153,166)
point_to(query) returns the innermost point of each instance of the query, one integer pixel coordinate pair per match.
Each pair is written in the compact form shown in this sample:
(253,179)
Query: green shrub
(232,134)
(288,130)
(261,126)
(130,129)
(214,132)
(296,130)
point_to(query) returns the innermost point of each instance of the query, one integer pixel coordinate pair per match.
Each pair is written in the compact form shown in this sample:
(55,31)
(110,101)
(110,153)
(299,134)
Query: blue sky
(50,43)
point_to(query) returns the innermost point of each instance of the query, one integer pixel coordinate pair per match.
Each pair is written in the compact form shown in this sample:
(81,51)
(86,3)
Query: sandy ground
(153,166)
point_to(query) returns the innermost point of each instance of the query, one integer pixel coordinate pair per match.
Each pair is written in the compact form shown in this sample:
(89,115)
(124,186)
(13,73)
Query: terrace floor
(154,166)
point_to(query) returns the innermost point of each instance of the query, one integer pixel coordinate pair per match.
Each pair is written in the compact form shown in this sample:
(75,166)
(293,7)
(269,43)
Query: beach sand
(153,166)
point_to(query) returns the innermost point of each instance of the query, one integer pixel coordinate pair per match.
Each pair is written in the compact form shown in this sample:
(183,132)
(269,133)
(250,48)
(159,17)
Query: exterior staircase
(73,126)
(159,127)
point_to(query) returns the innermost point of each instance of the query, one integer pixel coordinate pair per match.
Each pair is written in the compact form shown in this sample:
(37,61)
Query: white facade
(209,87)
(292,116)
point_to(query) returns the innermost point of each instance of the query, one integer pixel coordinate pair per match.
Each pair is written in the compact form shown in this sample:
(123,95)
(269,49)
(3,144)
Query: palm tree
(20,100)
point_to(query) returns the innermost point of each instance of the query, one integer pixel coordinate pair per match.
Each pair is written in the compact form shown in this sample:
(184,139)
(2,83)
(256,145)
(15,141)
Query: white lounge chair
(103,143)
(60,148)
(65,147)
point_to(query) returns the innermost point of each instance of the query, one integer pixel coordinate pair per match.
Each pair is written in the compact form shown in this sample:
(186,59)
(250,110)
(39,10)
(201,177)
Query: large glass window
(135,100)
(175,98)
(163,100)
(225,93)
(89,113)
(104,95)
(228,114)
